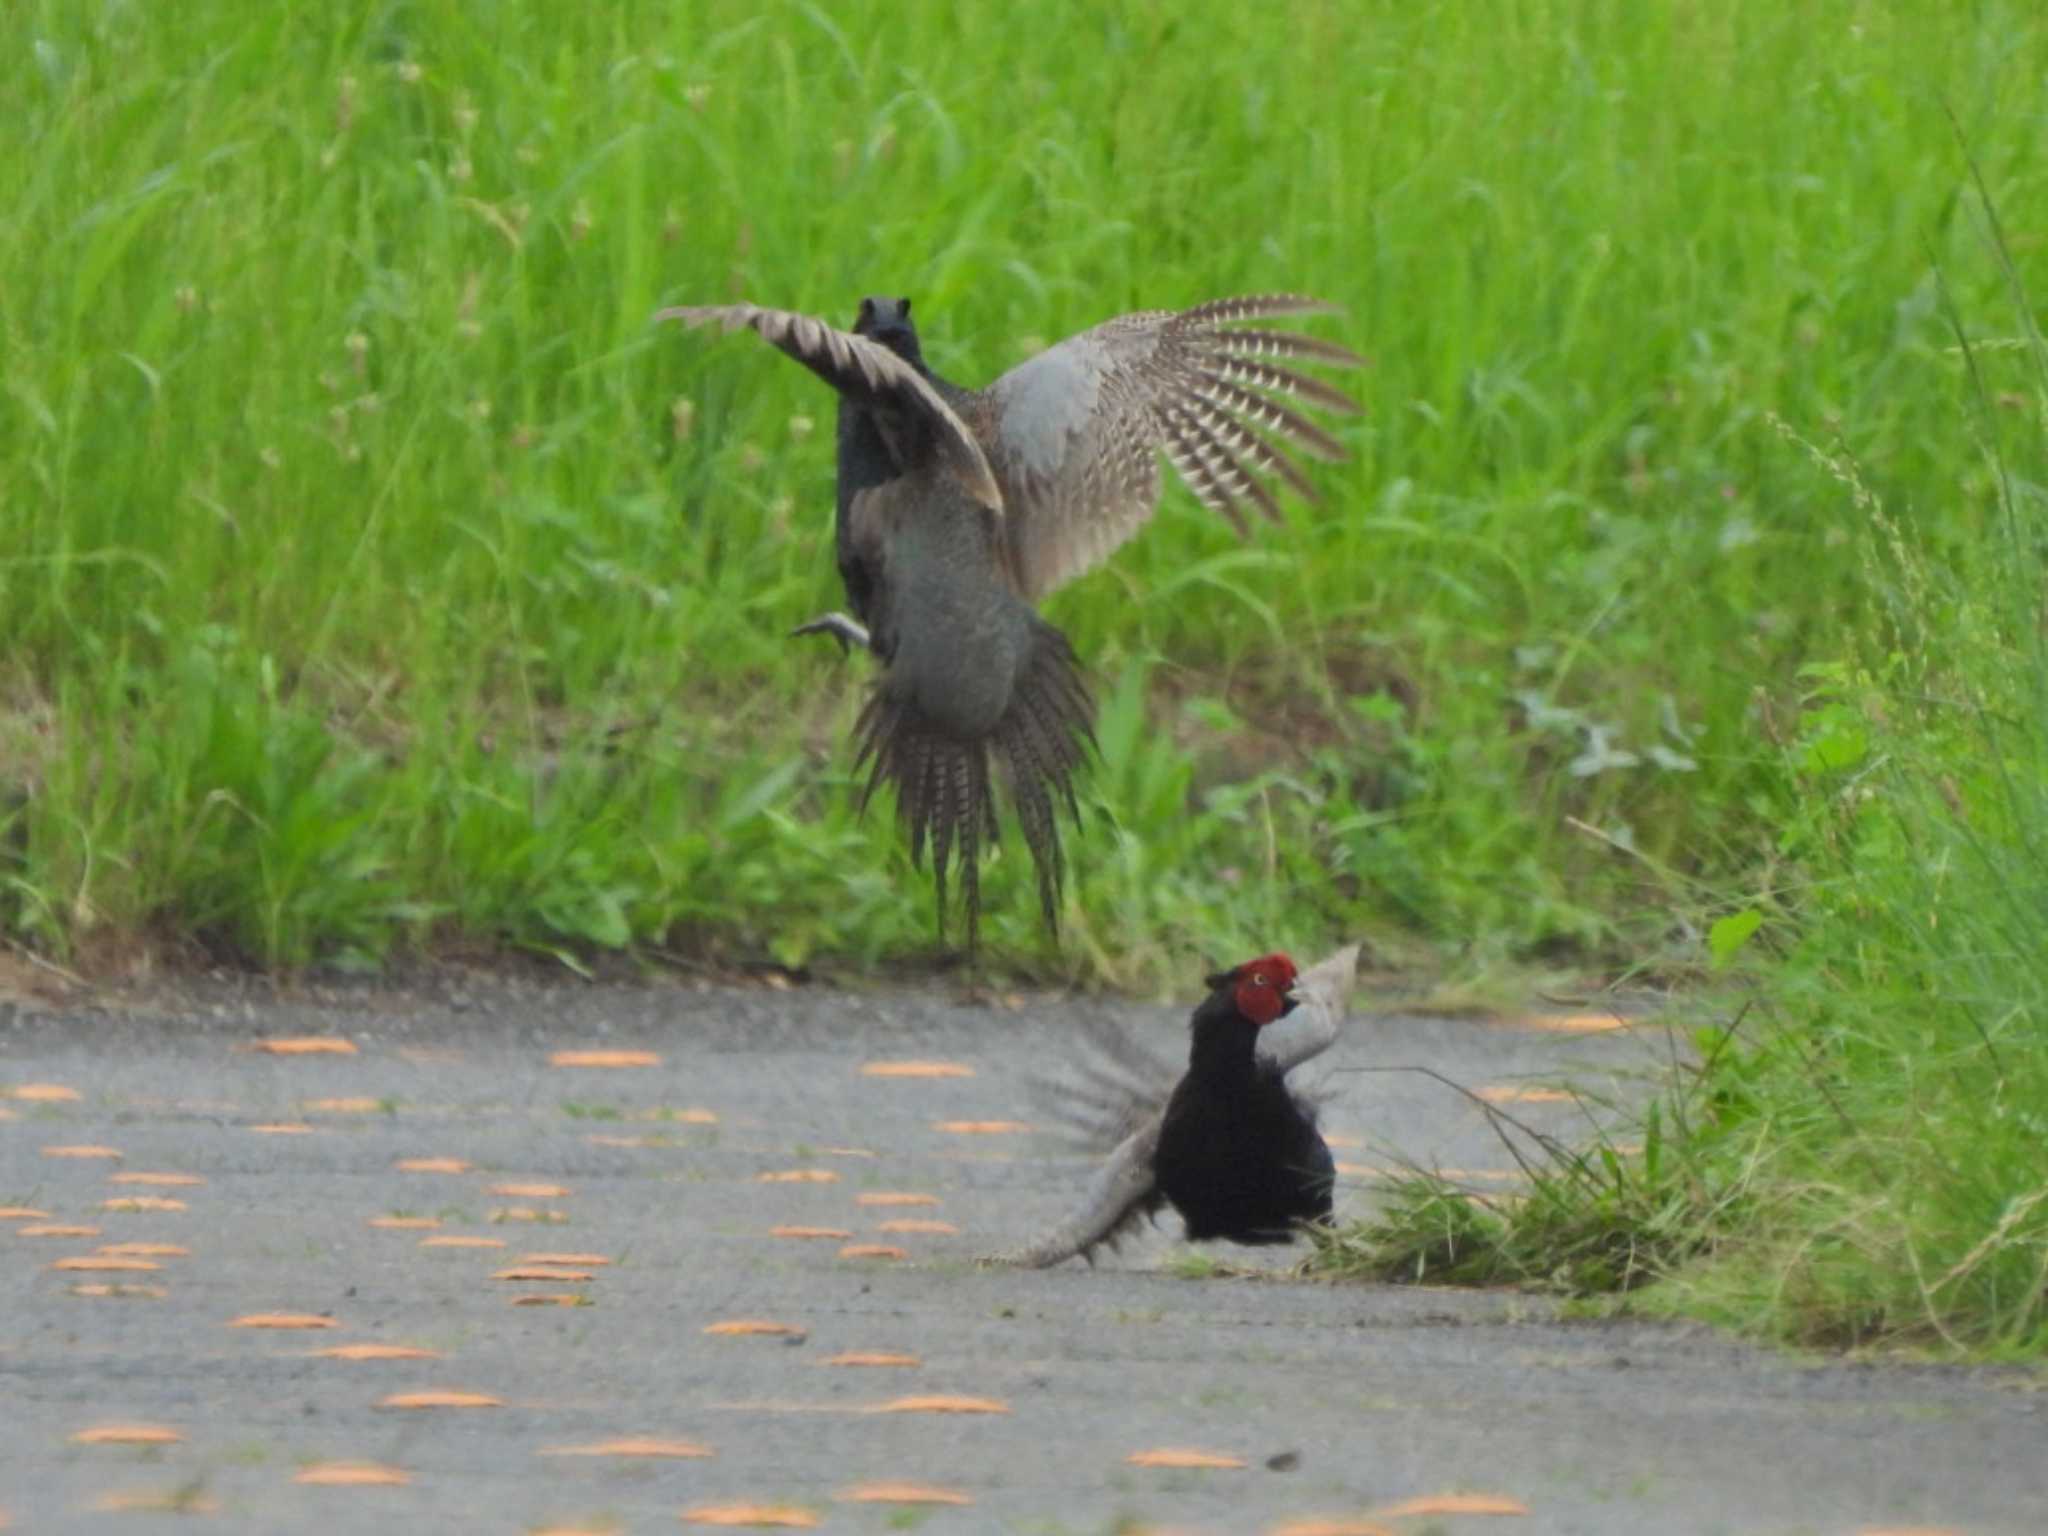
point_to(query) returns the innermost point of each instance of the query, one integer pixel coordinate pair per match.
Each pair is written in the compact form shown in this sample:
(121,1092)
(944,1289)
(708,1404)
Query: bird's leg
(848,632)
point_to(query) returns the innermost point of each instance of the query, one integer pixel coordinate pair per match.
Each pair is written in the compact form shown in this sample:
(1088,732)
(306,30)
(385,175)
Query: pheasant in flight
(958,510)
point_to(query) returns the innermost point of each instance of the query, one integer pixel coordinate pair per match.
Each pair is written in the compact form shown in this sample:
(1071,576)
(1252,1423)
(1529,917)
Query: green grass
(373,574)
(1855,1156)
(374,578)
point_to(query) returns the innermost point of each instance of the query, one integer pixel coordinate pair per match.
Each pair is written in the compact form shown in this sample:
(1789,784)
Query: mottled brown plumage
(959,509)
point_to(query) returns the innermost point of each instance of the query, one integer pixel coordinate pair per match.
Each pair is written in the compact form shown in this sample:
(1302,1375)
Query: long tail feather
(944,796)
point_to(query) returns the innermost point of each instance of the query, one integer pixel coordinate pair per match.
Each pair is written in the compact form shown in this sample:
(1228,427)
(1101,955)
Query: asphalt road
(425,1200)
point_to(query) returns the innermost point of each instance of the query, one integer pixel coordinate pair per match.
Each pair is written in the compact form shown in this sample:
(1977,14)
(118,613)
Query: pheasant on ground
(1230,1145)
(958,510)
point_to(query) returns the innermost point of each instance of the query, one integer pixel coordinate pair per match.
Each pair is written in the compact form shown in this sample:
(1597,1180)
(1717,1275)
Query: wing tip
(694,315)
(1335,974)
(1251,306)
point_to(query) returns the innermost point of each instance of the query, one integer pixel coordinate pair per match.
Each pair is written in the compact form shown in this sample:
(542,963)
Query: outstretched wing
(1122,1193)
(865,371)
(1109,1099)
(1108,1091)
(1075,434)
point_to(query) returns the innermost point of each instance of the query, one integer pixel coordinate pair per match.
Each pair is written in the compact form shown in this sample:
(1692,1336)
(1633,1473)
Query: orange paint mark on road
(83,1151)
(876,1357)
(142,1203)
(754,1327)
(893,1197)
(941,1403)
(901,1493)
(146,1250)
(604,1059)
(128,1434)
(981,1127)
(440,1398)
(283,1320)
(405,1223)
(1176,1456)
(782,1516)
(872,1251)
(544,1272)
(799,1176)
(43,1093)
(1564,1023)
(347,1106)
(631,1446)
(352,1474)
(376,1352)
(841,1234)
(530,1191)
(1453,1504)
(919,1224)
(454,1240)
(305,1045)
(281,1128)
(156,1180)
(1511,1093)
(56,1229)
(432,1165)
(916,1069)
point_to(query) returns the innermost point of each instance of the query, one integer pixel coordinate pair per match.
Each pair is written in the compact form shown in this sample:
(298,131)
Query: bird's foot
(848,632)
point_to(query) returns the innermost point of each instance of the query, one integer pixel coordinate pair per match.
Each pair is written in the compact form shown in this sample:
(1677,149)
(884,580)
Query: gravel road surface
(337,1260)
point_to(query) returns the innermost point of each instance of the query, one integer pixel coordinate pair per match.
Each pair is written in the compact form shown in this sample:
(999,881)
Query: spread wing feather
(1122,1193)
(866,370)
(1076,433)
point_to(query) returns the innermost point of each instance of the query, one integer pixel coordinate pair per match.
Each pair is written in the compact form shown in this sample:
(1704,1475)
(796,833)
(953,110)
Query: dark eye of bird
(1259,980)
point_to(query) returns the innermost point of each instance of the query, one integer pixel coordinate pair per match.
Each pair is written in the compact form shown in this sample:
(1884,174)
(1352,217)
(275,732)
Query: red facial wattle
(1262,986)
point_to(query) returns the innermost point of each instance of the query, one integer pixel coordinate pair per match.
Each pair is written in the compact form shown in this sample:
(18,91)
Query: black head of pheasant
(888,321)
